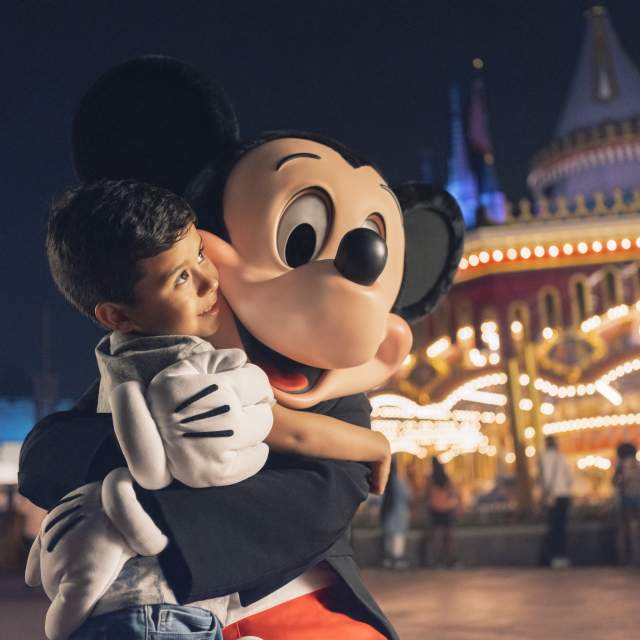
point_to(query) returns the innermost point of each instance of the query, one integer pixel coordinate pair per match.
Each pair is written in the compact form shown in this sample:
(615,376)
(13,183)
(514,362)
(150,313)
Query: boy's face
(178,291)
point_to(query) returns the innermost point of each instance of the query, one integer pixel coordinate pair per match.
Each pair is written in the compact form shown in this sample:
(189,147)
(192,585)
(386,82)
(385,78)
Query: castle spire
(491,199)
(597,142)
(461,181)
(606,85)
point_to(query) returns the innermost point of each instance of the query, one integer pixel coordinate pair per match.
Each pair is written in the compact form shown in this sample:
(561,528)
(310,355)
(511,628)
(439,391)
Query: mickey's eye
(375,222)
(303,228)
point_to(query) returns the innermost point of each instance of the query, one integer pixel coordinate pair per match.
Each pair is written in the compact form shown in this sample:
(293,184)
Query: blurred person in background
(395,518)
(556,480)
(626,480)
(443,501)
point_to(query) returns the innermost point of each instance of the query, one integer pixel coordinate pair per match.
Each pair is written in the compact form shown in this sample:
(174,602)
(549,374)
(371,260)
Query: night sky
(374,75)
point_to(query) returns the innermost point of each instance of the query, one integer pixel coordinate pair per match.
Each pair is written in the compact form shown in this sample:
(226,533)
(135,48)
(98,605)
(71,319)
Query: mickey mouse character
(322,263)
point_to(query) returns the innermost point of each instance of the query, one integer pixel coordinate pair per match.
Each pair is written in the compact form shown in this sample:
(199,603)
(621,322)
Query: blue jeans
(152,622)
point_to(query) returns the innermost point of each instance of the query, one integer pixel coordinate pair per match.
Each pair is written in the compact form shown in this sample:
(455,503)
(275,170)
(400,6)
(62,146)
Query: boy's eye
(201,256)
(182,278)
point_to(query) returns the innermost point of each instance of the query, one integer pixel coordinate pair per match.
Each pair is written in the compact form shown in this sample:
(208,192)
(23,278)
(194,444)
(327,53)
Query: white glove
(79,551)
(201,421)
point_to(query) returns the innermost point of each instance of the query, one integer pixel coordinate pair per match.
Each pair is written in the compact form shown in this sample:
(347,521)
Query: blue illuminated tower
(461,182)
(491,199)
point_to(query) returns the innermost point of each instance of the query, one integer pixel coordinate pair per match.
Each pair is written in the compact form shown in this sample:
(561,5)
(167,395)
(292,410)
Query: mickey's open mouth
(284,374)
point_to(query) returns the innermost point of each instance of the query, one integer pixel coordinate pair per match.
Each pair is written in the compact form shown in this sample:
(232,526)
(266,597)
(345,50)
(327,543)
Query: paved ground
(483,604)
(497,604)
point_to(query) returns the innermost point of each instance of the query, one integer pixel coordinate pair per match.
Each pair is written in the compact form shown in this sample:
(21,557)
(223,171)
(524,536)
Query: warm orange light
(465,333)
(554,252)
(512,254)
(497,255)
(539,251)
(473,260)
(525,253)
(583,247)
(484,257)
(596,245)
(612,245)
(517,327)
(567,249)
(464,264)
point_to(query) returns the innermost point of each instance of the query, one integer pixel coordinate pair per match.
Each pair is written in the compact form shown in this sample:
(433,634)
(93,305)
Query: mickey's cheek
(313,315)
(220,252)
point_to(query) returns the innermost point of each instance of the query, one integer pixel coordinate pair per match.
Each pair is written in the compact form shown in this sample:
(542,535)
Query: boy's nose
(208,282)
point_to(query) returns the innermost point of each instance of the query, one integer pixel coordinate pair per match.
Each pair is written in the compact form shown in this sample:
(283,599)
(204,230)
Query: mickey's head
(321,260)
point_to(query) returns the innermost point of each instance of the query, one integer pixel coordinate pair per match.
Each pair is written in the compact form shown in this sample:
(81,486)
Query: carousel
(540,334)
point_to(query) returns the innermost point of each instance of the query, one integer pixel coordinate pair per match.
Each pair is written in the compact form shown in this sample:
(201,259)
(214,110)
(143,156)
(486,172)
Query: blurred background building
(540,334)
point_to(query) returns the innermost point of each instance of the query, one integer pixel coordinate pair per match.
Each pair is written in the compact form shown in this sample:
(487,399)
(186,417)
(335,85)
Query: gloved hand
(79,550)
(201,421)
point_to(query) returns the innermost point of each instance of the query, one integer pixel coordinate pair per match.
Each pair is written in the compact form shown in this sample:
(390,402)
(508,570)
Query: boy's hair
(97,233)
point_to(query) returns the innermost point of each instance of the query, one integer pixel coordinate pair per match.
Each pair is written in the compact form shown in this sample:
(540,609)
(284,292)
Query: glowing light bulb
(567,249)
(612,245)
(512,254)
(554,252)
(547,333)
(539,251)
(438,347)
(546,408)
(596,245)
(583,247)
(474,260)
(517,327)
(525,253)
(497,255)
(464,264)
(523,379)
(510,458)
(526,404)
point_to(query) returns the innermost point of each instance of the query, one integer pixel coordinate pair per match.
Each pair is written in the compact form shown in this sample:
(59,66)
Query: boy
(129,256)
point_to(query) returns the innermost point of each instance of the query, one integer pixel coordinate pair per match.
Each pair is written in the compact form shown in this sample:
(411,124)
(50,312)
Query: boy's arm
(321,436)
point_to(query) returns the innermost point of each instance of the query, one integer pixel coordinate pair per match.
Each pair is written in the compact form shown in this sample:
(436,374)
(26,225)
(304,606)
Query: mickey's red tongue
(291,381)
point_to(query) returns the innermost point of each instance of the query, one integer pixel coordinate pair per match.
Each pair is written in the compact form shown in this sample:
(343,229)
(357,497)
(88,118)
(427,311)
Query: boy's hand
(380,468)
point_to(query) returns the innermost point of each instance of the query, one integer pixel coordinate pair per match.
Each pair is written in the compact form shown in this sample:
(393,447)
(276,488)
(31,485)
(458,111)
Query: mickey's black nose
(361,256)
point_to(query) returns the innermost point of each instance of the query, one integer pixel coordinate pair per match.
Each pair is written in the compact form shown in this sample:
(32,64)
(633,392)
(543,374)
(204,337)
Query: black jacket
(251,537)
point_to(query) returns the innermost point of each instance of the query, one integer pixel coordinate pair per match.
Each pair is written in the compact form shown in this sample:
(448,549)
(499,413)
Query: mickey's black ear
(434,232)
(155,119)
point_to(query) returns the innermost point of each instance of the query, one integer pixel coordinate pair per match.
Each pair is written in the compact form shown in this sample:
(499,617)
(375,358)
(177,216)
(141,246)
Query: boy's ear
(114,316)
(434,235)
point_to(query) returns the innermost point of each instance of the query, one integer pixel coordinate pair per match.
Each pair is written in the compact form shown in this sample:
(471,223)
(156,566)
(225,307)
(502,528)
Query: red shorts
(308,617)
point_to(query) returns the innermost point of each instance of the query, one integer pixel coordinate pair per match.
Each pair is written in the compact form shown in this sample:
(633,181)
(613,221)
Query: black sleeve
(66,450)
(223,539)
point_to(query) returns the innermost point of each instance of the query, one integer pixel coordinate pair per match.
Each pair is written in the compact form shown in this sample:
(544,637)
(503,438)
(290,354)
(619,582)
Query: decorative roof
(606,85)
